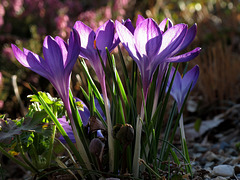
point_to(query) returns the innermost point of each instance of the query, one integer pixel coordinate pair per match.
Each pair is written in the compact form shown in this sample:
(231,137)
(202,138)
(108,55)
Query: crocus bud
(116,128)
(124,133)
(96,147)
(95,124)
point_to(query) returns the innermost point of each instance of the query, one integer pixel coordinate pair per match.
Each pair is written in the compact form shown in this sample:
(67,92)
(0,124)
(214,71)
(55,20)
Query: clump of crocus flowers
(112,137)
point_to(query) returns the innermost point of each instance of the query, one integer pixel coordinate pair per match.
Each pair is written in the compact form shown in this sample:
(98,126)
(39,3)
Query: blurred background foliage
(27,22)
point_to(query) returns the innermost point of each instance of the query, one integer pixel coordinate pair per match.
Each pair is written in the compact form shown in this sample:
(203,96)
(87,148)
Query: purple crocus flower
(181,85)
(179,91)
(68,129)
(85,115)
(57,65)
(92,41)
(149,45)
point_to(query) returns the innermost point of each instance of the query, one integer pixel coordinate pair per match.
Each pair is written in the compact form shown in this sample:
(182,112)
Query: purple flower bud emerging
(181,85)
(96,147)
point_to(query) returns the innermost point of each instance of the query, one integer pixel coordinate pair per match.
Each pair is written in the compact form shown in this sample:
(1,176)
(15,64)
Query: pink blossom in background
(1,21)
(1,104)
(43,8)
(89,17)
(120,6)
(62,21)
(1,83)
(5,3)
(108,12)
(17,6)
(0,79)
(8,53)
(60,15)
(62,25)
(2,13)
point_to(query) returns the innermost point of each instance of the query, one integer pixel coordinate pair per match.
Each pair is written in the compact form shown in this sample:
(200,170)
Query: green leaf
(59,126)
(10,128)
(46,97)
(175,158)
(197,124)
(94,87)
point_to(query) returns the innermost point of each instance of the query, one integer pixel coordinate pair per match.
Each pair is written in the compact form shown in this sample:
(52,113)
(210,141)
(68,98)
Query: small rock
(210,156)
(237,169)
(226,160)
(224,145)
(232,152)
(209,164)
(200,149)
(220,178)
(208,178)
(235,161)
(223,170)
(196,155)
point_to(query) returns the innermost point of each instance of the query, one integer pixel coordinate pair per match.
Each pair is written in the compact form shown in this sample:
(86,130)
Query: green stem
(150,169)
(49,157)
(23,155)
(183,142)
(137,147)
(33,154)
(78,132)
(59,126)
(72,158)
(109,123)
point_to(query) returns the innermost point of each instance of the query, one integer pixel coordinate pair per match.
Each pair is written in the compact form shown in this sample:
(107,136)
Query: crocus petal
(161,71)
(53,56)
(87,37)
(20,56)
(146,69)
(185,57)
(171,39)
(176,86)
(61,84)
(190,35)
(163,24)
(139,19)
(37,67)
(85,113)
(37,58)
(189,78)
(29,60)
(68,129)
(116,40)
(177,80)
(127,40)
(73,51)
(104,36)
(63,47)
(181,85)
(98,107)
(148,38)
(128,24)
